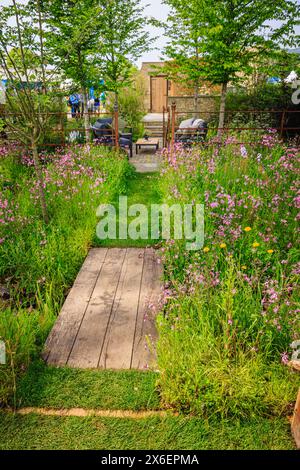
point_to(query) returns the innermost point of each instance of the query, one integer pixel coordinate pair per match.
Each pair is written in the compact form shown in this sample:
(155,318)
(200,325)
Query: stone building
(162,92)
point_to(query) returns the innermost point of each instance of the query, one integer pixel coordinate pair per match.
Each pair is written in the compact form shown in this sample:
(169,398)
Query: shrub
(259,99)
(132,105)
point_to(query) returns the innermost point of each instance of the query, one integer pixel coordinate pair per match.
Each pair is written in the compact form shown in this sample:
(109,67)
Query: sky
(159,11)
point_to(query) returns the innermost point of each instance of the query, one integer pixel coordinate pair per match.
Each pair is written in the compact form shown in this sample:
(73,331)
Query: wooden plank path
(108,318)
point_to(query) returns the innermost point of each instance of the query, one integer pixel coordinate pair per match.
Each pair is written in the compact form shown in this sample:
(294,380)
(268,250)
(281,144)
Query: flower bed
(40,262)
(232,308)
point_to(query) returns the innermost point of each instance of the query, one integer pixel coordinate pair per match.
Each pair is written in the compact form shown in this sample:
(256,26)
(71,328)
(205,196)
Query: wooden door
(159,93)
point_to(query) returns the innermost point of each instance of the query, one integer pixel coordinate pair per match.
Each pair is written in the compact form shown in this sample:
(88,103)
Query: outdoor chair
(103,133)
(191,131)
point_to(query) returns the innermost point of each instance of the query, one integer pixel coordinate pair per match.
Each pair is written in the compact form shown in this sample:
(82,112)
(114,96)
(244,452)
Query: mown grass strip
(34,431)
(51,387)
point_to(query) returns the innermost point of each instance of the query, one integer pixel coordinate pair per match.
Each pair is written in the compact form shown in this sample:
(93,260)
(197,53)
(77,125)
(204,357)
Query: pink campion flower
(285,358)
(244,152)
(3,204)
(296,269)
(297,201)
(229,140)
(247,279)
(273,295)
(4,151)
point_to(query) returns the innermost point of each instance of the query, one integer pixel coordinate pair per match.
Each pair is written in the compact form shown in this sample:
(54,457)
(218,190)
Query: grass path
(142,189)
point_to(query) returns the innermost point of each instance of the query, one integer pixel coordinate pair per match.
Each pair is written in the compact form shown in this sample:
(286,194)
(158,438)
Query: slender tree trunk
(222,109)
(39,174)
(41,37)
(196,100)
(116,99)
(197,84)
(116,120)
(86,117)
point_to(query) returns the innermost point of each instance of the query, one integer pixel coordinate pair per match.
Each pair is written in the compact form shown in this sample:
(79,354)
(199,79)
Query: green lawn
(44,432)
(64,388)
(52,387)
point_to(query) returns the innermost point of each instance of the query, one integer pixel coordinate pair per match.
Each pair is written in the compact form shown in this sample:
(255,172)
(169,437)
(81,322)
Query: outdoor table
(147,142)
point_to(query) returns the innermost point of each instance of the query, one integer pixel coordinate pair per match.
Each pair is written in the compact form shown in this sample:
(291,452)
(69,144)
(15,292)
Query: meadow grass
(232,309)
(39,262)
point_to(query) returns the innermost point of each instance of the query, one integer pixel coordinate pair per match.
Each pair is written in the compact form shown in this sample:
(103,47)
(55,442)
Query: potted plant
(147,135)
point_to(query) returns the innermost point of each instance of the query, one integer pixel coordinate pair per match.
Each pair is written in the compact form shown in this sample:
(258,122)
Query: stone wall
(179,93)
(208,105)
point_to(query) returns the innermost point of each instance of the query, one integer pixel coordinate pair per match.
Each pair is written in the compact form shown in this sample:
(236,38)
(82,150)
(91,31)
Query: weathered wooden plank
(145,331)
(118,343)
(89,341)
(91,267)
(61,339)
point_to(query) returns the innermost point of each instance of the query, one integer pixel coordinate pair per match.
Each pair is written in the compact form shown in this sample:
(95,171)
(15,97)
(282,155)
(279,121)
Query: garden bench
(191,131)
(103,132)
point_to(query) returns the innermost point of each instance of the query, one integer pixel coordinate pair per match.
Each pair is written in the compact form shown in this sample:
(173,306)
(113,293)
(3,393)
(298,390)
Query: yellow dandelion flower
(223,245)
(270,252)
(247,229)
(244,267)
(206,249)
(256,245)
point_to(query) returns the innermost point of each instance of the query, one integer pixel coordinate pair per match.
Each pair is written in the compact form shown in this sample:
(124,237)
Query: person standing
(74,102)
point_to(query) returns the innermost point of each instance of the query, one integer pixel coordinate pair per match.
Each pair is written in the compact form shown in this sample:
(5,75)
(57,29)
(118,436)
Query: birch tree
(27,106)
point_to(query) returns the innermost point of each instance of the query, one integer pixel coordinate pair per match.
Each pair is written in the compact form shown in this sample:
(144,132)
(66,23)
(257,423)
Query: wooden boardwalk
(108,316)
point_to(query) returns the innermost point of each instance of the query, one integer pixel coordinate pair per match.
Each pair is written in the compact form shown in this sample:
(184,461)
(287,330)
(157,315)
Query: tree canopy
(222,40)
